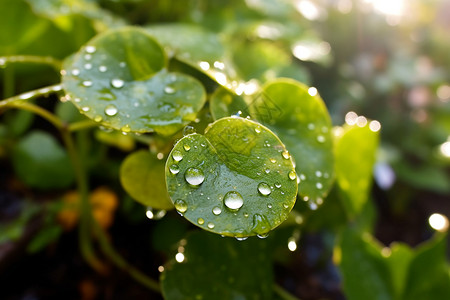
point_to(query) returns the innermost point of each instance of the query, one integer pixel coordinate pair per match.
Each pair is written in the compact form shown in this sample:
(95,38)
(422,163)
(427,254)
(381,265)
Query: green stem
(283,293)
(86,220)
(120,262)
(31,95)
(44,60)
(8,82)
(58,123)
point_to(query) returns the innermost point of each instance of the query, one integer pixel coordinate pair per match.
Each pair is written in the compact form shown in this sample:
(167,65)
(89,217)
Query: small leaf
(198,48)
(219,268)
(119,79)
(236,180)
(302,122)
(223,104)
(142,176)
(41,162)
(428,274)
(355,156)
(364,270)
(398,262)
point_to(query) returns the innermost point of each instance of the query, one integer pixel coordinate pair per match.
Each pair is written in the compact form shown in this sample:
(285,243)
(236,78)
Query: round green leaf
(236,180)
(119,80)
(302,122)
(219,268)
(142,176)
(41,162)
(223,104)
(198,48)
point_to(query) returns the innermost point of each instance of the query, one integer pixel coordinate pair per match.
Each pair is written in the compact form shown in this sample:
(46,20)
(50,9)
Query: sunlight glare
(438,222)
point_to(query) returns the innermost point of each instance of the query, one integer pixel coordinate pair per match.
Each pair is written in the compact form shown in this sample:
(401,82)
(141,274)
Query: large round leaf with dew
(198,48)
(119,79)
(219,268)
(142,176)
(300,118)
(236,180)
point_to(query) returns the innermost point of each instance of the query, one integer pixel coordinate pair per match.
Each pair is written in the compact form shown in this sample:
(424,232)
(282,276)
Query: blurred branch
(44,60)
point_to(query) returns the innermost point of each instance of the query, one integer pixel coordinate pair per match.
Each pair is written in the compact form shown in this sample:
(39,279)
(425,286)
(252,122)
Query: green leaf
(428,274)
(364,270)
(355,151)
(236,180)
(119,80)
(20,26)
(142,176)
(398,263)
(198,48)
(219,268)
(223,104)
(302,122)
(41,162)
(44,237)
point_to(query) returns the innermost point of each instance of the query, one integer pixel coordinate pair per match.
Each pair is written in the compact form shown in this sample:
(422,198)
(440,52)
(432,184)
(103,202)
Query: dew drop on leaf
(200,221)
(102,69)
(169,90)
(211,225)
(117,83)
(233,200)
(264,189)
(111,110)
(75,72)
(194,176)
(174,169)
(188,130)
(87,83)
(285,154)
(181,206)
(177,155)
(216,211)
(292,175)
(186,147)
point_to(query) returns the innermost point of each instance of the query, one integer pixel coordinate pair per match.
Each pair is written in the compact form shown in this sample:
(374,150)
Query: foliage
(207,109)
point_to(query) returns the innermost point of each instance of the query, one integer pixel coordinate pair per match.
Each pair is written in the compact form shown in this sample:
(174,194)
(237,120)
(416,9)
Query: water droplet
(177,155)
(285,154)
(98,118)
(262,236)
(117,83)
(319,185)
(267,171)
(200,221)
(87,83)
(257,130)
(88,66)
(269,205)
(216,211)
(260,224)
(188,130)
(210,225)
(126,128)
(233,200)
(292,175)
(246,215)
(75,72)
(111,110)
(77,100)
(273,160)
(320,138)
(181,206)
(241,238)
(102,69)
(311,126)
(277,185)
(90,49)
(264,189)
(85,108)
(302,176)
(285,205)
(186,147)
(160,155)
(169,90)
(318,174)
(194,176)
(87,57)
(174,169)
(204,65)
(122,64)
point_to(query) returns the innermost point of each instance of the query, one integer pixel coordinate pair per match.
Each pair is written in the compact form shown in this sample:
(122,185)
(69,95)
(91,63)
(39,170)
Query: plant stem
(8,82)
(283,293)
(31,95)
(120,262)
(58,123)
(86,247)
(44,60)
